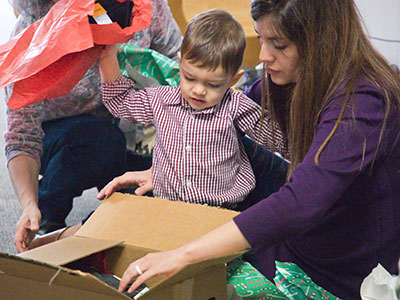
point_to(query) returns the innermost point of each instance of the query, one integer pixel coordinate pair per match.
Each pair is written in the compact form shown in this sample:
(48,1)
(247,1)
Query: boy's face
(201,87)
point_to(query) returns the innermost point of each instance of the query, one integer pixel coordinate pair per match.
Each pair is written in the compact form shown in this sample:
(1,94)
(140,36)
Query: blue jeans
(79,153)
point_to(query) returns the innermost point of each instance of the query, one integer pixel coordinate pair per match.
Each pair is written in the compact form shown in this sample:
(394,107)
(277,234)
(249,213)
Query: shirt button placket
(188,149)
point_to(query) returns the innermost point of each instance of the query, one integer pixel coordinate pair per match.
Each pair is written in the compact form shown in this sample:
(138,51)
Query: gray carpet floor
(9,204)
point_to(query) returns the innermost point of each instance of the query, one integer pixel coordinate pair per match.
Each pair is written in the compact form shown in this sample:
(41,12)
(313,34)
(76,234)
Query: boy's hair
(214,38)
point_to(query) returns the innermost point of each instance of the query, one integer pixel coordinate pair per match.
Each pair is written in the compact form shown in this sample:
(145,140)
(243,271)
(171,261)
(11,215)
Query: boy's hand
(108,62)
(109,51)
(142,179)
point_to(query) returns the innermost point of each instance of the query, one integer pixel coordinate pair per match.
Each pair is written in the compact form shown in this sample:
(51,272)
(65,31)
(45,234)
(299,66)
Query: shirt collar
(179,100)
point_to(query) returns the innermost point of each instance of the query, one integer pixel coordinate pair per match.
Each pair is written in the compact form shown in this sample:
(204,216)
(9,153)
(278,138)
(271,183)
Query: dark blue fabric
(79,153)
(269,169)
(270,172)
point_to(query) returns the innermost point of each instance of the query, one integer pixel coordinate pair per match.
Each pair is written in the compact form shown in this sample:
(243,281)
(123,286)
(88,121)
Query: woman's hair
(334,52)
(214,38)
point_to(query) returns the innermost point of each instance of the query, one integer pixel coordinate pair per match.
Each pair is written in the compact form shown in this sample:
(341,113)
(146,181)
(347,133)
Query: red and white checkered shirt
(198,156)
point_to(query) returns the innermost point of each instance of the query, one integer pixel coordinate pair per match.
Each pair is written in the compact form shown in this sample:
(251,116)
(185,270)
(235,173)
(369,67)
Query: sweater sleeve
(254,91)
(314,188)
(124,102)
(32,8)
(24,132)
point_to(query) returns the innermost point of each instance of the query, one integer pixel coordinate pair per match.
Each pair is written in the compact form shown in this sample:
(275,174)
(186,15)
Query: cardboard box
(123,228)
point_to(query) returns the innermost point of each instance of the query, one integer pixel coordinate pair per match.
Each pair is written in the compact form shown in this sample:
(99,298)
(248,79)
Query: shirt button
(188,184)
(188,148)
(191,116)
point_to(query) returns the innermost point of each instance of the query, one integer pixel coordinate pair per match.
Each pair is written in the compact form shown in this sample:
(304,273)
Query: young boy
(198,156)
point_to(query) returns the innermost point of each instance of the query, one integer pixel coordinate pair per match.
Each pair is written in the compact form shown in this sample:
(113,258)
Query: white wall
(382,20)
(7,21)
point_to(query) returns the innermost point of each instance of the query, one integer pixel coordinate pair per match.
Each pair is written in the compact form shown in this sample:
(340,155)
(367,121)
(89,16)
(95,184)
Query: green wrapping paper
(146,68)
(296,285)
(249,283)
(149,63)
(291,283)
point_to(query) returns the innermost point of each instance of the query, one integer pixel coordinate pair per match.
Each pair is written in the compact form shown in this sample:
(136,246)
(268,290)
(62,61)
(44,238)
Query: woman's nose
(266,55)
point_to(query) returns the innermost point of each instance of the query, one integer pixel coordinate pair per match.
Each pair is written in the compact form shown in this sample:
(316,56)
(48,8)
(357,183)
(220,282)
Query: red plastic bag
(49,57)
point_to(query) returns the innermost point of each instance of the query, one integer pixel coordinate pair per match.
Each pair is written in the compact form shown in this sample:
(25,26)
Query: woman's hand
(142,179)
(226,239)
(53,236)
(27,227)
(153,264)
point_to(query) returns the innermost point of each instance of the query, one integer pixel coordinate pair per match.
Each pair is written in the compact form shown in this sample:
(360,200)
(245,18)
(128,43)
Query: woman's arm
(224,240)
(23,146)
(24,171)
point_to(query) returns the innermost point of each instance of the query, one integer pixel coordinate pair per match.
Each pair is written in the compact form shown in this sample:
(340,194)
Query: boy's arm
(118,93)
(248,120)
(108,62)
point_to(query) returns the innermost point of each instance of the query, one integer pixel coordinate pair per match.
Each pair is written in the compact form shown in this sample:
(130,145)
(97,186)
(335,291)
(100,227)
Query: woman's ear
(237,76)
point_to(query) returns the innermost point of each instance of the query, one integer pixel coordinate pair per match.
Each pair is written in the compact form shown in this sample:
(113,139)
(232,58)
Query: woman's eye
(278,47)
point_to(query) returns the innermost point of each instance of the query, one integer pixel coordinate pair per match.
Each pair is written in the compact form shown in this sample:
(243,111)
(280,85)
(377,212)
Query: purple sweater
(339,219)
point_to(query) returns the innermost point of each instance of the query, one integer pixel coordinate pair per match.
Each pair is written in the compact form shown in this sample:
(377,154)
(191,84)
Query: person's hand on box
(27,227)
(226,239)
(142,179)
(153,264)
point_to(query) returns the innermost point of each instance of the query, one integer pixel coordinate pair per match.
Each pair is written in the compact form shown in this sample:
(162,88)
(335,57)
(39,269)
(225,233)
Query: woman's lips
(271,72)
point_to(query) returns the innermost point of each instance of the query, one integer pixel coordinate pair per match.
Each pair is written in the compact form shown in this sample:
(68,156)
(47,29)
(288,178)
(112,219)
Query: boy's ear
(237,76)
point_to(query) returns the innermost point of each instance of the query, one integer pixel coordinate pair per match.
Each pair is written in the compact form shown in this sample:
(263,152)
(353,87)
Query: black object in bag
(112,280)
(119,12)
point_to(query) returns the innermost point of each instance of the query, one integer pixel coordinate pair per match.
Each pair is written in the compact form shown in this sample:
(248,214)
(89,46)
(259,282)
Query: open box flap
(26,268)
(152,222)
(68,250)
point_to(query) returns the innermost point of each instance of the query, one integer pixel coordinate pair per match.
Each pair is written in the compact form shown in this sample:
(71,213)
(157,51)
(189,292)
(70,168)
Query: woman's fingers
(130,273)
(26,228)
(153,264)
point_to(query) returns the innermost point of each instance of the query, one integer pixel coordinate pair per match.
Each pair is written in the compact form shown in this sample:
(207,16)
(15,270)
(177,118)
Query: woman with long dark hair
(336,100)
